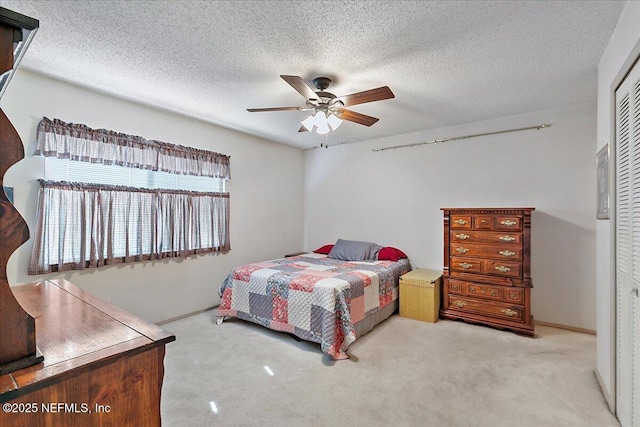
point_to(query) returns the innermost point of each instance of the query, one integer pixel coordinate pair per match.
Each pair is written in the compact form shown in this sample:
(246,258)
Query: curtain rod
(455,138)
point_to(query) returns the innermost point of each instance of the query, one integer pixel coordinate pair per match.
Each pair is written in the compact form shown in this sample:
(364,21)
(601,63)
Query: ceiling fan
(329,109)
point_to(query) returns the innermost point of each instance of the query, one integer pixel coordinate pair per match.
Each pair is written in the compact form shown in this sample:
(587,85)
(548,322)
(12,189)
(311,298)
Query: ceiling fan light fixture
(320,119)
(308,123)
(334,122)
(322,126)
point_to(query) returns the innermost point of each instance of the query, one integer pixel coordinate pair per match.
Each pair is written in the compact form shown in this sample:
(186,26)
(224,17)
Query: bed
(320,299)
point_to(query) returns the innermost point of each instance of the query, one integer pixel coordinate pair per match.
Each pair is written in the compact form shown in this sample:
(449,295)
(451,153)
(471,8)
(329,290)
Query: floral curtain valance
(56,138)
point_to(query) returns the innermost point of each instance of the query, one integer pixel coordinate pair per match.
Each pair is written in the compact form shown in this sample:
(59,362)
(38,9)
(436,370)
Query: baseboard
(536,322)
(607,397)
(184,316)
(568,328)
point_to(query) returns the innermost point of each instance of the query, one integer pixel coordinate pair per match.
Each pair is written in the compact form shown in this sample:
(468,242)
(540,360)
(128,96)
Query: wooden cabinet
(102,366)
(487,267)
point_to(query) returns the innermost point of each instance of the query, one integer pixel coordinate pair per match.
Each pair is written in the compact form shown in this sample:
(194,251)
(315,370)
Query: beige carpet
(403,373)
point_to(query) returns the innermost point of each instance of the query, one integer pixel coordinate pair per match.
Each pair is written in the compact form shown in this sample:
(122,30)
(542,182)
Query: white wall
(394,198)
(619,56)
(266,200)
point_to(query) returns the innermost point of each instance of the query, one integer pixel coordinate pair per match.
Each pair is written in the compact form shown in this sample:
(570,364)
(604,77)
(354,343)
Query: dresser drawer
(513,295)
(486,237)
(486,266)
(502,268)
(508,294)
(487,222)
(470,265)
(483,221)
(500,251)
(456,287)
(493,309)
(485,291)
(460,221)
(503,222)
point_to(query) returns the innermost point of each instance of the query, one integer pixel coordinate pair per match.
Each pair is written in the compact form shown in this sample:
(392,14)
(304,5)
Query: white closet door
(628,249)
(632,296)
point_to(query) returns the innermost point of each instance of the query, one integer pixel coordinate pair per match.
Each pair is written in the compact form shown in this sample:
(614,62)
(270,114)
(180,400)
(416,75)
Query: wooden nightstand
(295,254)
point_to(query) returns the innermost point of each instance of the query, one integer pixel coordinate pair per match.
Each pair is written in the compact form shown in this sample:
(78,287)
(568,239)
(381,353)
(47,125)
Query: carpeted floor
(403,373)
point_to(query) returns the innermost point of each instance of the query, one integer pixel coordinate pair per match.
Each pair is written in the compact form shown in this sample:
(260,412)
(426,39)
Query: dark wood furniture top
(77,331)
(83,337)
(487,267)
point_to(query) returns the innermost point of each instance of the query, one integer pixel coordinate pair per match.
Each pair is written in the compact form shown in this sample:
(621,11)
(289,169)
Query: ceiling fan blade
(370,95)
(259,110)
(361,119)
(303,129)
(301,86)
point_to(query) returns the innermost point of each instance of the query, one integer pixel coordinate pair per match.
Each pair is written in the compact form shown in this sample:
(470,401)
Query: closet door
(628,250)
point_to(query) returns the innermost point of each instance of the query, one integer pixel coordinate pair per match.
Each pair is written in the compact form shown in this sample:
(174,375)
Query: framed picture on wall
(602,211)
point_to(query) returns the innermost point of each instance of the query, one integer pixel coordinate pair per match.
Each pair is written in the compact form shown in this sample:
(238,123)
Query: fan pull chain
(324,144)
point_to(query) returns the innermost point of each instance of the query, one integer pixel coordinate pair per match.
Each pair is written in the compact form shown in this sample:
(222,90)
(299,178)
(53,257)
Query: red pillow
(324,250)
(391,254)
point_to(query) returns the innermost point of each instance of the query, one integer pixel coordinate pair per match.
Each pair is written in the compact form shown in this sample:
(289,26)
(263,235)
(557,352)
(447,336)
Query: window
(96,209)
(56,169)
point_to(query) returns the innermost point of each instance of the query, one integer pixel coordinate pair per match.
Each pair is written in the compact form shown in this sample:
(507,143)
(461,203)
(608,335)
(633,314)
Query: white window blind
(96,173)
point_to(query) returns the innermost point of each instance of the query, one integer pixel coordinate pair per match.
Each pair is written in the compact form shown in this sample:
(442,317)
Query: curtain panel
(86,225)
(56,138)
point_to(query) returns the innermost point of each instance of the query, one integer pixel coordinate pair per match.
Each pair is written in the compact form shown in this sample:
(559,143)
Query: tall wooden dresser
(487,267)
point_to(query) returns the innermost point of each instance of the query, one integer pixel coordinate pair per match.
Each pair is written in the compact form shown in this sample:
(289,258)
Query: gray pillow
(352,250)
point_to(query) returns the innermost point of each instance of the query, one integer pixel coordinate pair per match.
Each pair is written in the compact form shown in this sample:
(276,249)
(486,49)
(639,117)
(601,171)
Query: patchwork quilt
(316,298)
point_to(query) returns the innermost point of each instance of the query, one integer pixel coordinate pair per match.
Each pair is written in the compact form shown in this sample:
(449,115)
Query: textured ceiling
(447,62)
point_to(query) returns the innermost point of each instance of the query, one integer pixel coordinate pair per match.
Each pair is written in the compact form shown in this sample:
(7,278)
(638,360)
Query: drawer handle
(484,290)
(509,312)
(508,222)
(507,253)
(466,265)
(461,221)
(502,268)
(462,250)
(462,236)
(507,238)
(459,303)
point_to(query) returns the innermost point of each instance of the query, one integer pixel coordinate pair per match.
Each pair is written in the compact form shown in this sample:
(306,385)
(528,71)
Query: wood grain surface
(103,363)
